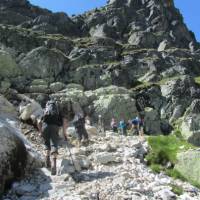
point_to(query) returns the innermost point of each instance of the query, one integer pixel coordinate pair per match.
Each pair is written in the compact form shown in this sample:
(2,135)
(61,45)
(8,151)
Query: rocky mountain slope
(116,61)
(109,168)
(125,43)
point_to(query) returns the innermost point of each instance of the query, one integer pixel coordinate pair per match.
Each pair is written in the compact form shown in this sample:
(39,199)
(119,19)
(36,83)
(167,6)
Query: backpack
(79,121)
(52,114)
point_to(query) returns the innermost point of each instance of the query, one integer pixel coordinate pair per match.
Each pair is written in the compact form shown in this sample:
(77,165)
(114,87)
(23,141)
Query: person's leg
(79,135)
(141,132)
(54,147)
(125,132)
(46,137)
(85,136)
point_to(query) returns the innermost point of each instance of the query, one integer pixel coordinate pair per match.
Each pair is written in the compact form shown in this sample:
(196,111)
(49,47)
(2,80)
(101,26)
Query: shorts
(50,135)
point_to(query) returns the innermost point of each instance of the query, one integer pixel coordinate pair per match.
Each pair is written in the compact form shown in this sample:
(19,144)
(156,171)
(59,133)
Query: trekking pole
(70,154)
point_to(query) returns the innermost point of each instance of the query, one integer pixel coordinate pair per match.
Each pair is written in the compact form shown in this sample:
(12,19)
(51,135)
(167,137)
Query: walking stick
(70,154)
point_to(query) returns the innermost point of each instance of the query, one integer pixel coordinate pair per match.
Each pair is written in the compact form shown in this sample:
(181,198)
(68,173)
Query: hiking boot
(53,168)
(48,162)
(53,171)
(85,142)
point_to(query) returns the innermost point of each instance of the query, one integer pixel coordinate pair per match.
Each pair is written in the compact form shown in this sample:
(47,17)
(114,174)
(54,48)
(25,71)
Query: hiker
(79,124)
(135,126)
(100,124)
(48,126)
(113,125)
(123,127)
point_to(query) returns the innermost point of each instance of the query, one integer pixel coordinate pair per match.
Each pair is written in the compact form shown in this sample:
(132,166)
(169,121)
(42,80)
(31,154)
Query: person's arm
(65,125)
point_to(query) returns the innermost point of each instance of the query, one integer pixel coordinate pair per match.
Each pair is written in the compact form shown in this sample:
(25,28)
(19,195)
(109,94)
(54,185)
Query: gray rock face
(16,154)
(152,122)
(44,63)
(114,102)
(180,94)
(13,156)
(190,125)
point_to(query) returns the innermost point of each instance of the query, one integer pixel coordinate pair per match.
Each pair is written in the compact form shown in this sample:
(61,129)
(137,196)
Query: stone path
(110,167)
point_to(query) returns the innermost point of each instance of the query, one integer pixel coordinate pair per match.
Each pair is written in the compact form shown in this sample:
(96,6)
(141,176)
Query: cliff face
(125,43)
(124,20)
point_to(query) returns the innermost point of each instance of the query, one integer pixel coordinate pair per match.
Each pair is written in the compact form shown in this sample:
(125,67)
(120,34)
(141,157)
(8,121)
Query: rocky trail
(111,167)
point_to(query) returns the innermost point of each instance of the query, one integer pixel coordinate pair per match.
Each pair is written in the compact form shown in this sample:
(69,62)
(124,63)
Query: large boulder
(75,94)
(6,108)
(106,157)
(190,127)
(188,164)
(120,106)
(179,94)
(57,86)
(13,155)
(152,122)
(43,63)
(17,155)
(30,111)
(38,86)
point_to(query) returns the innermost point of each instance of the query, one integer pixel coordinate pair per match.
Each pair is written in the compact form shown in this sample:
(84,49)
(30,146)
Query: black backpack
(52,114)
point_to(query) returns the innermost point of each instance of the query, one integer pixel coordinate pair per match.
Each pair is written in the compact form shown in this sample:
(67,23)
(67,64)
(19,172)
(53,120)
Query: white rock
(66,166)
(165,194)
(83,161)
(30,109)
(91,130)
(105,158)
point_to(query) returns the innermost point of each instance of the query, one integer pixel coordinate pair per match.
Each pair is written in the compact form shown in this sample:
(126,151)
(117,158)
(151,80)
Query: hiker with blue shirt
(123,127)
(138,126)
(135,126)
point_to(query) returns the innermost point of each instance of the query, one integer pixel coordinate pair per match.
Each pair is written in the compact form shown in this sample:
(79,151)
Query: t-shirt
(113,124)
(122,125)
(135,122)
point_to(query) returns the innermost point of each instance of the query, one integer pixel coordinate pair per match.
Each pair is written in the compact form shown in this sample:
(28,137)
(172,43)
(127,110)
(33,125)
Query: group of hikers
(54,117)
(134,126)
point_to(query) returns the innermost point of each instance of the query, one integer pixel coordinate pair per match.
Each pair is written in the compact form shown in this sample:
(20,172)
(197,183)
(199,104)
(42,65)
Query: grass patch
(164,149)
(177,189)
(165,80)
(178,134)
(197,80)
